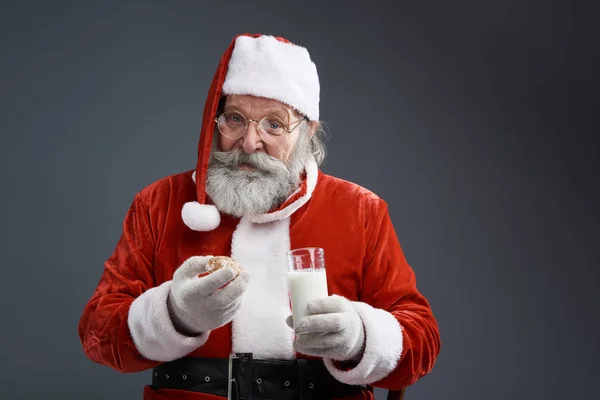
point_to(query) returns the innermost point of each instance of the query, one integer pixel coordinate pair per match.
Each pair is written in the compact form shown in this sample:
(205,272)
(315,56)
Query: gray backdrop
(474,120)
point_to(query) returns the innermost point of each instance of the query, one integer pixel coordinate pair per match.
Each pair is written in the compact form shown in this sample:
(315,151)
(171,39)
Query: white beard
(239,192)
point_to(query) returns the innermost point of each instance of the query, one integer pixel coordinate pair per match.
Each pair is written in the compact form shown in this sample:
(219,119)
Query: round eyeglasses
(234,125)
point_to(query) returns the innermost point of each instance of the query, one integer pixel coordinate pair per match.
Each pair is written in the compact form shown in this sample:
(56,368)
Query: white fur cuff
(152,330)
(383,348)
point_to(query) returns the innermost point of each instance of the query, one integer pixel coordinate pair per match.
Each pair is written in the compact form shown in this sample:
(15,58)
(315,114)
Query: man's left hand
(332,329)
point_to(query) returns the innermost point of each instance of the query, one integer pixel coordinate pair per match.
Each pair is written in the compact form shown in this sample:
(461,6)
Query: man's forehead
(252,102)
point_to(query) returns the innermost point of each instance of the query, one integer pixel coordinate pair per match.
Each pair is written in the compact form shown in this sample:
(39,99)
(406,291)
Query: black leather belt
(249,378)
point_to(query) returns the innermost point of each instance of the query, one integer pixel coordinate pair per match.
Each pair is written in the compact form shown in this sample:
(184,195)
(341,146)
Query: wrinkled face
(269,136)
(253,170)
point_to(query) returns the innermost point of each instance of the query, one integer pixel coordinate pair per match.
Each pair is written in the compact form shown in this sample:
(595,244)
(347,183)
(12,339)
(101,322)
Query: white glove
(201,304)
(333,329)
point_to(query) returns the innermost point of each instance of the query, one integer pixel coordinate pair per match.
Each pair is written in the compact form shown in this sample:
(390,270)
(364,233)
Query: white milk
(306,286)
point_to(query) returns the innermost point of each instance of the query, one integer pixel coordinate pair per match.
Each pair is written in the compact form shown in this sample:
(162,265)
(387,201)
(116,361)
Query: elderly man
(257,192)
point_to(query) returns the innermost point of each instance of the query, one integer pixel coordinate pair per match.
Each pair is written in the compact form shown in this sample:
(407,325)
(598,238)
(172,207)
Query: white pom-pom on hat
(200,217)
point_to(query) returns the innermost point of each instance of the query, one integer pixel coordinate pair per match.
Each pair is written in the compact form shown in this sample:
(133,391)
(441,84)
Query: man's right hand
(199,303)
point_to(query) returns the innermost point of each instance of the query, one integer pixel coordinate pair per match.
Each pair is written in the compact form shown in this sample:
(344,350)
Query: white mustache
(258,160)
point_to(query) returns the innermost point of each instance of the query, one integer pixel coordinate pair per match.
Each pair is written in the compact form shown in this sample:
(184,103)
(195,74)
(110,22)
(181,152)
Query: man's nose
(252,141)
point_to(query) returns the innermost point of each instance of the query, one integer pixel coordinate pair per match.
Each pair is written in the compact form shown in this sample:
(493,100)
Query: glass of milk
(307,279)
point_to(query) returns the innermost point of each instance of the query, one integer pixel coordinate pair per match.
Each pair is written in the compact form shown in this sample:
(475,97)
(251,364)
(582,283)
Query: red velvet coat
(126,326)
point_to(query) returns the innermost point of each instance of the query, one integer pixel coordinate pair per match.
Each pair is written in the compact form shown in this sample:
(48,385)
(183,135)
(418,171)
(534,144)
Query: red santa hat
(259,65)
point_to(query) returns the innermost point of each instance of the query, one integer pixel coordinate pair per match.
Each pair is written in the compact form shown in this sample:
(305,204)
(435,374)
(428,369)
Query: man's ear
(312,127)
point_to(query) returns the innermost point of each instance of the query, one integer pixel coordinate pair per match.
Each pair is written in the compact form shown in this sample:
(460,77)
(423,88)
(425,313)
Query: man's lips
(246,166)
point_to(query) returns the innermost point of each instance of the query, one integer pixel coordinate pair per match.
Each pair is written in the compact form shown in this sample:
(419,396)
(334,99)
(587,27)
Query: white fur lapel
(260,327)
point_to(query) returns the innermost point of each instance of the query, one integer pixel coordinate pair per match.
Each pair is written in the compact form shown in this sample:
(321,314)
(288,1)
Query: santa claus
(257,192)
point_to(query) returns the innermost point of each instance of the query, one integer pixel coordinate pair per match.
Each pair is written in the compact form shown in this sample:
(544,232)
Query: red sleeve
(389,283)
(402,336)
(103,327)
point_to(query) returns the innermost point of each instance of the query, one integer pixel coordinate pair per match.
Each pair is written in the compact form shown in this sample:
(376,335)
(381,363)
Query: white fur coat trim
(152,330)
(260,327)
(266,67)
(382,350)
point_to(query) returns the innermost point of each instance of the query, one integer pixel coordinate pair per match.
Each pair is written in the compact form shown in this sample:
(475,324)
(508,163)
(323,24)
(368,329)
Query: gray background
(476,121)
